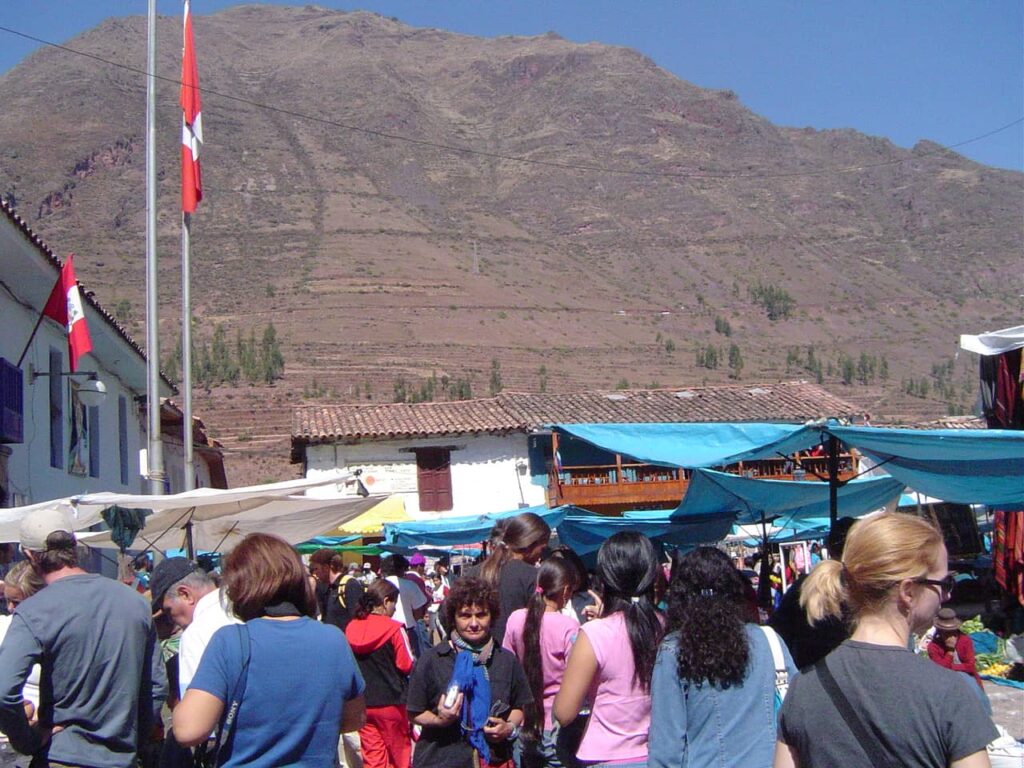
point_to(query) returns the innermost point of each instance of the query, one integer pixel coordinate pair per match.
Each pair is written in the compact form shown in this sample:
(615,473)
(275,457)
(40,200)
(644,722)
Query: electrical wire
(451,148)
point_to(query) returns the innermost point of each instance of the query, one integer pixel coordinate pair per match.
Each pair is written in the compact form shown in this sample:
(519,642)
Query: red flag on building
(65,306)
(191,123)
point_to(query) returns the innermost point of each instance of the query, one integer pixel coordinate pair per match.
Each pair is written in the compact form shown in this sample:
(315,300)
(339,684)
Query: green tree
(735,361)
(271,359)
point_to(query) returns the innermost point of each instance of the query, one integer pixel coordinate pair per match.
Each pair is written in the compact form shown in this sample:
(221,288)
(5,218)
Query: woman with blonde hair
(872,702)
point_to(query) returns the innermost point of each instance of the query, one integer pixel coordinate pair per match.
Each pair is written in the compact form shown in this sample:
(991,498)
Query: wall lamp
(91,392)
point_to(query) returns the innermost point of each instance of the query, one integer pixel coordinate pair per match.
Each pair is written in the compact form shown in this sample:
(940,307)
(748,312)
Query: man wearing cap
(190,598)
(102,678)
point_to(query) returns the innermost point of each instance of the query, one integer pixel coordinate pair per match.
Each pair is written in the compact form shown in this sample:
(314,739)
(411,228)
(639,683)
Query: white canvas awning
(995,342)
(219,518)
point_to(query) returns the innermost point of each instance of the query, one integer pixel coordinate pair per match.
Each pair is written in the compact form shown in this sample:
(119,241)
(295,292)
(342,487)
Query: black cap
(168,572)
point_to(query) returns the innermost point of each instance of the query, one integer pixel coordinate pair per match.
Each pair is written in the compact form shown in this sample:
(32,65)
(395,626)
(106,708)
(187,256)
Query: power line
(585,167)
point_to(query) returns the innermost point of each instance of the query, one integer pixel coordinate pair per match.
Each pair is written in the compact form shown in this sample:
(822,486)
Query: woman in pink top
(540,636)
(613,658)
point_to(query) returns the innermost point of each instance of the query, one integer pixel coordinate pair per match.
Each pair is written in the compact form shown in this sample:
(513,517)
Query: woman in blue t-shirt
(288,713)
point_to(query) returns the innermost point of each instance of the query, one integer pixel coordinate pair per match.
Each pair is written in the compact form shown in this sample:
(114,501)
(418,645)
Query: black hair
(374,596)
(470,591)
(568,554)
(553,576)
(706,607)
(627,566)
(395,565)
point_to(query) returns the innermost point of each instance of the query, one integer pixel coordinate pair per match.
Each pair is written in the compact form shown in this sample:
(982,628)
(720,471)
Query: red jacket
(382,652)
(938,653)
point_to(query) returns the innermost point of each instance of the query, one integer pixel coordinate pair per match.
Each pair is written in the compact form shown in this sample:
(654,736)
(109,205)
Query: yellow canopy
(391,510)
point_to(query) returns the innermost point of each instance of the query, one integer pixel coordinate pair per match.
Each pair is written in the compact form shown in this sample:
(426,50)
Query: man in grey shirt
(95,642)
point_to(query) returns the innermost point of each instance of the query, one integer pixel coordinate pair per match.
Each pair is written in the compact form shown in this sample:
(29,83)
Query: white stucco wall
(484,471)
(31,478)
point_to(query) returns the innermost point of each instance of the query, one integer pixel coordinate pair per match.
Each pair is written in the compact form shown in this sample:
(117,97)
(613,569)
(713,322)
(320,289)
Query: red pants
(385,739)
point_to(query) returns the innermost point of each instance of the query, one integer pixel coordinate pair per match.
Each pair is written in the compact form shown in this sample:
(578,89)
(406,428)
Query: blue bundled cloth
(476,701)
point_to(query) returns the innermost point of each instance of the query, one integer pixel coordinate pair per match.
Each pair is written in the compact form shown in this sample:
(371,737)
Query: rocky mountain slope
(409,205)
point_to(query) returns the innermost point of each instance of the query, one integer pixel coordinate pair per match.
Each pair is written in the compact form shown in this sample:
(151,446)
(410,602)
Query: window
(93,423)
(56,410)
(122,437)
(434,479)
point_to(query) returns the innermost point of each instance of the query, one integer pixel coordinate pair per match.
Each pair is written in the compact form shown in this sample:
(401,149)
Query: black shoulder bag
(850,717)
(208,753)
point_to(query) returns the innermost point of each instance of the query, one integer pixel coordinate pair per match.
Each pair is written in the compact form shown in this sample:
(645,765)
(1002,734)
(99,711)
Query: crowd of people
(525,659)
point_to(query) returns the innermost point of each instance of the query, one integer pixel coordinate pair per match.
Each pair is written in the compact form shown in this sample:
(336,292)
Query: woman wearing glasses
(879,703)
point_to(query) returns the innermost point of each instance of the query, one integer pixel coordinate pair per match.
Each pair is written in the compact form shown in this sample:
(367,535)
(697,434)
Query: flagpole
(186,348)
(155,454)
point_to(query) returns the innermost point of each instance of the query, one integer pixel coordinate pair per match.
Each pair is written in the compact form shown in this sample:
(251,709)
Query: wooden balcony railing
(614,488)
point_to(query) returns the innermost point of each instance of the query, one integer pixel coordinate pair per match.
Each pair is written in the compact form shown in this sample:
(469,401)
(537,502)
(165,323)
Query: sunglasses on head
(946,583)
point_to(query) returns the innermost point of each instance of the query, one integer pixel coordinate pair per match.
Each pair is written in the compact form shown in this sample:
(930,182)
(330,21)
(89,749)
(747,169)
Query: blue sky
(943,70)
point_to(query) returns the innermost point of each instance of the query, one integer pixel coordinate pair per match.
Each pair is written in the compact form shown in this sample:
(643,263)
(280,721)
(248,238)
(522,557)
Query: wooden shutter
(434,479)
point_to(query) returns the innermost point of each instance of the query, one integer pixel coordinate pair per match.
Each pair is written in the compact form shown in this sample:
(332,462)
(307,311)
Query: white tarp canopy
(995,342)
(219,517)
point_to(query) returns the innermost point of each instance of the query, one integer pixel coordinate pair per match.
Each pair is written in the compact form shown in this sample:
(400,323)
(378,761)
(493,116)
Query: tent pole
(189,547)
(833,480)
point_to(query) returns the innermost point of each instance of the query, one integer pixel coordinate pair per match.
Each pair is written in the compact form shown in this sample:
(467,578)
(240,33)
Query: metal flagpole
(186,349)
(155,454)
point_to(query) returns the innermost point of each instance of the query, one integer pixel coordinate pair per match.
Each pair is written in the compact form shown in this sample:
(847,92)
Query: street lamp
(91,392)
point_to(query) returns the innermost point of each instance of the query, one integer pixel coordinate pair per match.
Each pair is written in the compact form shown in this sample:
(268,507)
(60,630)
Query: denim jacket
(704,726)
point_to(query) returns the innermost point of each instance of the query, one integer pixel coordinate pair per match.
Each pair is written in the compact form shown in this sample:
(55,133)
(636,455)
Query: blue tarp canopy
(587,534)
(688,445)
(748,499)
(956,465)
(463,530)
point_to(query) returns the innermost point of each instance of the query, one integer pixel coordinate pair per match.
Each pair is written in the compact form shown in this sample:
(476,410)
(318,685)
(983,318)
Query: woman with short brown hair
(288,713)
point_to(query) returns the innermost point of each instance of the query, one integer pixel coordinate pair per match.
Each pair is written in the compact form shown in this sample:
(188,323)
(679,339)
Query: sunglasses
(946,584)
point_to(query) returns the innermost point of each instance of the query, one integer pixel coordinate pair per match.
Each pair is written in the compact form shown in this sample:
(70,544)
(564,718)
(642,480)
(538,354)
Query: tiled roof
(58,263)
(947,422)
(793,402)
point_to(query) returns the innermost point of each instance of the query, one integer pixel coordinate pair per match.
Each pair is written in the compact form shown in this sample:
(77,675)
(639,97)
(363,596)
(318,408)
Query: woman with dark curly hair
(713,692)
(467,693)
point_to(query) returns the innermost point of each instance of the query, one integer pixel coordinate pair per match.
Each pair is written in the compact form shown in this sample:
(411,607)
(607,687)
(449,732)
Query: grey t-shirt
(917,712)
(95,641)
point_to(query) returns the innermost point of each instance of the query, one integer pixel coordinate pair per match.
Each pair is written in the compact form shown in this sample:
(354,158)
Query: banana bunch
(996,670)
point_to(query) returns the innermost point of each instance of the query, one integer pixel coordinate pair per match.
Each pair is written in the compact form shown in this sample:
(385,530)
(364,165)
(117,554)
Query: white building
(472,457)
(54,443)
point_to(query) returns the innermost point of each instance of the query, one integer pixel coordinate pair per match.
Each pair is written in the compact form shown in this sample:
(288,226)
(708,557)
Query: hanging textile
(1008,552)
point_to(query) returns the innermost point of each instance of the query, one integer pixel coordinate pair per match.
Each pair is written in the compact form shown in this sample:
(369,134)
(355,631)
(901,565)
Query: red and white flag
(65,306)
(191,123)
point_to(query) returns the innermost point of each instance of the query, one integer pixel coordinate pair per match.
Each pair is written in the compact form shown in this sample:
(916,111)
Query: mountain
(413,208)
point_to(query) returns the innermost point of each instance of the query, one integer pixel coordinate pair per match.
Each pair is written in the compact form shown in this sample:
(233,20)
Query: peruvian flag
(191,124)
(65,306)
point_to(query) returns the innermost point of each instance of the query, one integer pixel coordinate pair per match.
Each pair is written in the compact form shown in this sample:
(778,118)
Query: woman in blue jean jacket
(713,691)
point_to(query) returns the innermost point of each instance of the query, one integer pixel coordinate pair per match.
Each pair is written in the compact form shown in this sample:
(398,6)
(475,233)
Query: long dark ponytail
(627,566)
(707,607)
(520,534)
(554,575)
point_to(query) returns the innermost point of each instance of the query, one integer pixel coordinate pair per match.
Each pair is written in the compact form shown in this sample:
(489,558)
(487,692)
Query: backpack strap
(225,732)
(779,659)
(868,743)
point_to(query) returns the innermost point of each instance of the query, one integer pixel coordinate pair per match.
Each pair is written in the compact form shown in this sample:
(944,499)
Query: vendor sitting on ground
(485,716)
(951,648)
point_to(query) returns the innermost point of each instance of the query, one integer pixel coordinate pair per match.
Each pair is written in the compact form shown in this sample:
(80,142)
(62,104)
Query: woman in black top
(511,566)
(451,732)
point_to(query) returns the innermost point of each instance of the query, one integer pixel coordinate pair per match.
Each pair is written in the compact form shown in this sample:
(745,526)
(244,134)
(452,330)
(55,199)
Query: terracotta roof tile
(43,248)
(793,402)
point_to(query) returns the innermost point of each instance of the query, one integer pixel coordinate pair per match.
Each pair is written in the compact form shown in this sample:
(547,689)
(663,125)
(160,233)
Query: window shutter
(434,479)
